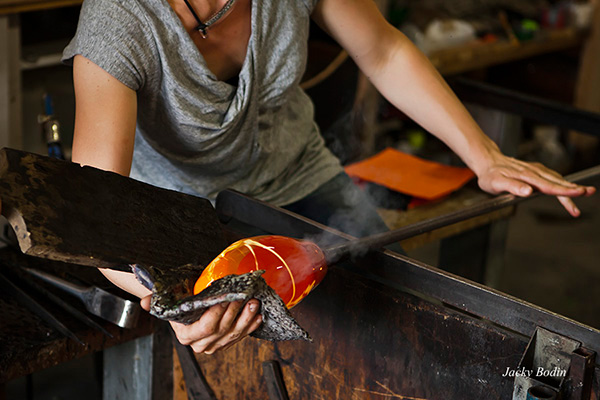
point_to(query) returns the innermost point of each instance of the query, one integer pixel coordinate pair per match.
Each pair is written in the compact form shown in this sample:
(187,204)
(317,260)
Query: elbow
(392,46)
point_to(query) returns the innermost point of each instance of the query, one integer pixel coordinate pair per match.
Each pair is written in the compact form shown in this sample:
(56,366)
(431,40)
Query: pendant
(203,31)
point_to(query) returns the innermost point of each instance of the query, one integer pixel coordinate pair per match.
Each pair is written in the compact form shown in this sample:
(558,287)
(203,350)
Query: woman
(202,95)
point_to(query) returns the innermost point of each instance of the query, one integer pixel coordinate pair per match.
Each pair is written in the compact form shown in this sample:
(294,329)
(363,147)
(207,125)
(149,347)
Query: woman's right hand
(220,327)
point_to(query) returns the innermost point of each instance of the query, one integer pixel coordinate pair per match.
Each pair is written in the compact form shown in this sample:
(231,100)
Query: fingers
(555,177)
(520,188)
(589,190)
(501,183)
(145,302)
(206,326)
(550,183)
(521,178)
(220,326)
(569,205)
(248,321)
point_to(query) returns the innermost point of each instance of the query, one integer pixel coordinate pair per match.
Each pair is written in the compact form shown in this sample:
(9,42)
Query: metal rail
(339,252)
(396,270)
(535,108)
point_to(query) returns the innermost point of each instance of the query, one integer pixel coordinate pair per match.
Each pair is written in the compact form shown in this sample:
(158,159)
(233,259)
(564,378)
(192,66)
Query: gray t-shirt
(197,134)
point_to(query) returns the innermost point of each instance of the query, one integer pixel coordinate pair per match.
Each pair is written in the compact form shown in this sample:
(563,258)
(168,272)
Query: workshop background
(548,49)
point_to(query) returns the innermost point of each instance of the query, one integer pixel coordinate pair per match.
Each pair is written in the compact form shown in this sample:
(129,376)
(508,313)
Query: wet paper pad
(171,300)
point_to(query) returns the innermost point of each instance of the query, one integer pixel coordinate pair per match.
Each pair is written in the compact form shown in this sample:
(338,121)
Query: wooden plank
(17,6)
(65,212)
(10,81)
(587,91)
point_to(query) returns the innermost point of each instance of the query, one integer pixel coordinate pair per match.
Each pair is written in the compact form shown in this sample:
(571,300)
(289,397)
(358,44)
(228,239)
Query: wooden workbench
(458,200)
(28,344)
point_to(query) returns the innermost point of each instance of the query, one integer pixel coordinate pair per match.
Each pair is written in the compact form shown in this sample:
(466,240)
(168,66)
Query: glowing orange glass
(292,267)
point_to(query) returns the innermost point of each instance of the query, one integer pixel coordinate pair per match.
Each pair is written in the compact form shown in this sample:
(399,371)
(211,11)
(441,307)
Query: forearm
(126,281)
(105,119)
(409,81)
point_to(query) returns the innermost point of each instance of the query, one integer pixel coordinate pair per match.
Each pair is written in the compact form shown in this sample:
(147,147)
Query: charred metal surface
(62,211)
(544,365)
(500,308)
(580,378)
(400,271)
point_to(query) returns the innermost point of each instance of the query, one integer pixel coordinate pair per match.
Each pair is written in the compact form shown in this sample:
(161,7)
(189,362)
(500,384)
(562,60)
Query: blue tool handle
(55,151)
(48,107)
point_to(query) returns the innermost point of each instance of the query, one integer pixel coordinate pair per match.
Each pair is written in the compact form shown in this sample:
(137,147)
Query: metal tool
(336,253)
(240,210)
(67,307)
(51,129)
(195,382)
(23,298)
(115,309)
(274,379)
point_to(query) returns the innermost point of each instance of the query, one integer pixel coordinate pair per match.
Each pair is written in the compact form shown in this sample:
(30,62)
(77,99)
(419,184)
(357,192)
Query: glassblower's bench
(382,324)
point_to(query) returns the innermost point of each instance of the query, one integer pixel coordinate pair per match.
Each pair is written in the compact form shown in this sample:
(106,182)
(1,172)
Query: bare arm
(105,120)
(407,79)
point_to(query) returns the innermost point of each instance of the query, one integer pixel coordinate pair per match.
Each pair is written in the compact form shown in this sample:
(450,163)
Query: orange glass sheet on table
(410,175)
(292,267)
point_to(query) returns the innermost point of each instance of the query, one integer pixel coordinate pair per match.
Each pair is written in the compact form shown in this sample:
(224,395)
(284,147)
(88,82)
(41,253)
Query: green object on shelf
(530,25)
(417,139)
(527,29)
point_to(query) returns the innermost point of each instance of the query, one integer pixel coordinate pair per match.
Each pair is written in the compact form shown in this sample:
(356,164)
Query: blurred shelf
(43,54)
(475,56)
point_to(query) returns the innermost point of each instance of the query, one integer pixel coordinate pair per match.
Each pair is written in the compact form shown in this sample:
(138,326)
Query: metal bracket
(274,380)
(554,367)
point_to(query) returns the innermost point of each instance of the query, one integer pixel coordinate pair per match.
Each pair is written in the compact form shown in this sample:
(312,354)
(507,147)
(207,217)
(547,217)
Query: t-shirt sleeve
(113,35)
(311,4)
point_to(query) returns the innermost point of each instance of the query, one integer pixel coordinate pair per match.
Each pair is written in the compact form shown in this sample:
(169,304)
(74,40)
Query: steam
(355,216)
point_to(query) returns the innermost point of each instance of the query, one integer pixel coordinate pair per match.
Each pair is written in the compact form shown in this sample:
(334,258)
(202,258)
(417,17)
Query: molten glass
(292,267)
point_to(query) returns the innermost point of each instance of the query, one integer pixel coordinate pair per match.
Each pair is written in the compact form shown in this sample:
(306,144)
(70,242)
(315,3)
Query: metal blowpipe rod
(339,252)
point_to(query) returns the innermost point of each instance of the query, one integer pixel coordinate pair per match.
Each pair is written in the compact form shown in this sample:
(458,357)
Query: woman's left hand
(506,174)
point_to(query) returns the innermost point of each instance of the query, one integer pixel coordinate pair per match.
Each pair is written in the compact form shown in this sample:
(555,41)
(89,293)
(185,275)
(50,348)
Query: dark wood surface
(82,215)
(374,342)
(28,344)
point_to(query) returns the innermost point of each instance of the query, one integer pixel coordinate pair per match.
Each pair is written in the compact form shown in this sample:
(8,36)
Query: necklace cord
(203,26)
